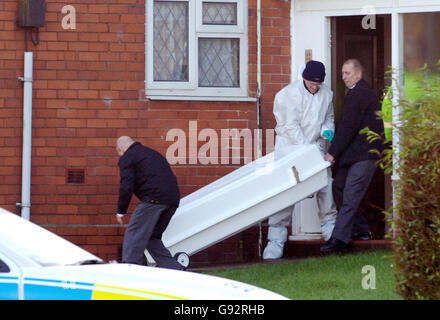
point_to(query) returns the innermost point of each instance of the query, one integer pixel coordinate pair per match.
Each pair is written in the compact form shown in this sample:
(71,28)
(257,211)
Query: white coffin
(245,197)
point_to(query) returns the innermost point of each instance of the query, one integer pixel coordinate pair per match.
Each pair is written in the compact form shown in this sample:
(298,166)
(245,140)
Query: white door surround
(311,38)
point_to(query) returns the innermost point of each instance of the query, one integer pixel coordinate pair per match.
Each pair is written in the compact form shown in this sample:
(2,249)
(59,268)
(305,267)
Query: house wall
(88,89)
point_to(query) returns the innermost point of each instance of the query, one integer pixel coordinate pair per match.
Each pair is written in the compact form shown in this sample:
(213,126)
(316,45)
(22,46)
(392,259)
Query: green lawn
(328,277)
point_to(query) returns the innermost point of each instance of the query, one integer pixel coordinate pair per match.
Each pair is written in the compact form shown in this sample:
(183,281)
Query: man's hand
(119,218)
(328,157)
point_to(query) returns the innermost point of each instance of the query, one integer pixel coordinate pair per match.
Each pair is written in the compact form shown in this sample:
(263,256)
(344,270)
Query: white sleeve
(329,121)
(288,116)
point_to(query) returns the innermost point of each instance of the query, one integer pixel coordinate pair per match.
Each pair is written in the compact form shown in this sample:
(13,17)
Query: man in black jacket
(147,174)
(355,163)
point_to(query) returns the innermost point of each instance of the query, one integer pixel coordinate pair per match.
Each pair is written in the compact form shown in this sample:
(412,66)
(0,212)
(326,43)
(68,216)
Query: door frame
(316,14)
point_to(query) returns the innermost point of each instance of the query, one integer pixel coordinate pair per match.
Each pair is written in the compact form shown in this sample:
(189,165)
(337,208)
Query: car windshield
(39,244)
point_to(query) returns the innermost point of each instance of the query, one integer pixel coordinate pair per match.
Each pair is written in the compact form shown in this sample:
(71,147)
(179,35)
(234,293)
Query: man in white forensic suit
(304,114)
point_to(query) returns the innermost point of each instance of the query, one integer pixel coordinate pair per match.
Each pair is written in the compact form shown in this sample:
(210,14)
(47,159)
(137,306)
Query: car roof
(38,244)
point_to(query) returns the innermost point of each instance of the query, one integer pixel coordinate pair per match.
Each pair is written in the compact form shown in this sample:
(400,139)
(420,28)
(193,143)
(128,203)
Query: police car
(37,264)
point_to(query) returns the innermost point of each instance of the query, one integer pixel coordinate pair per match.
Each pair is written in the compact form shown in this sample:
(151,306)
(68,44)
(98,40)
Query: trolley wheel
(182,258)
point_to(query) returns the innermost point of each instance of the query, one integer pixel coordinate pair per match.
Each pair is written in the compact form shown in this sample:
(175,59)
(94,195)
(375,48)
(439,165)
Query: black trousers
(144,231)
(349,187)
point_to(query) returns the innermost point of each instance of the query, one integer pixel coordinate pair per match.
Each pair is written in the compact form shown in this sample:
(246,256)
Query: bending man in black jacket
(356,164)
(147,174)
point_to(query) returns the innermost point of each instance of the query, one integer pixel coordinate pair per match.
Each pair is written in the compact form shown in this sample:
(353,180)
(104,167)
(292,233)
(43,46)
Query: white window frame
(170,90)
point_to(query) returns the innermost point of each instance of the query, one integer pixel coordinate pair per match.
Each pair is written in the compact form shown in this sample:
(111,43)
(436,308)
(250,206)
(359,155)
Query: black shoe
(362,236)
(334,245)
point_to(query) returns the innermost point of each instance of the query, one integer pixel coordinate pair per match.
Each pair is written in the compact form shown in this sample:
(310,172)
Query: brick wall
(88,90)
(275,60)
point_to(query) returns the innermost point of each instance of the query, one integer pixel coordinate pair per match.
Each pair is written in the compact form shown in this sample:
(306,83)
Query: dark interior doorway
(372,47)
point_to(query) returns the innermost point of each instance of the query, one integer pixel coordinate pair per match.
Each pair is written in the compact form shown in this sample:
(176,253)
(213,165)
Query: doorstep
(310,248)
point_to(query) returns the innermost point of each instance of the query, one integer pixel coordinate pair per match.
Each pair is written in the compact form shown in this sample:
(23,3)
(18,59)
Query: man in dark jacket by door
(355,163)
(147,174)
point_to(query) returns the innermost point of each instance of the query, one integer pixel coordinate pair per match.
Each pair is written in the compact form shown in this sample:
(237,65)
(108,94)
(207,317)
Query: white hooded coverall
(302,117)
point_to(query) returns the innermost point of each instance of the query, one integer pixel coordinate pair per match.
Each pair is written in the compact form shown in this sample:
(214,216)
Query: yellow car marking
(118,293)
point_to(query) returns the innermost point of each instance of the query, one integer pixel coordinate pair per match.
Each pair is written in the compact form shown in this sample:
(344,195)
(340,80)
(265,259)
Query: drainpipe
(259,75)
(258,138)
(27,137)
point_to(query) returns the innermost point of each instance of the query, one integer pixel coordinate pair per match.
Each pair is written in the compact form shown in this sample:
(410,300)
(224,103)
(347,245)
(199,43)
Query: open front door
(332,40)
(372,47)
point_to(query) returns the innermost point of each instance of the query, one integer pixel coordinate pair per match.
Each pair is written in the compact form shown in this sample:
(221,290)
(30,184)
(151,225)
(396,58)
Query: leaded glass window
(218,62)
(196,48)
(170,41)
(219,13)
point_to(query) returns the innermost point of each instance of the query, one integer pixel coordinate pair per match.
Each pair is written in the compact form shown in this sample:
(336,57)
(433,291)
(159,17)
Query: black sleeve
(126,186)
(349,126)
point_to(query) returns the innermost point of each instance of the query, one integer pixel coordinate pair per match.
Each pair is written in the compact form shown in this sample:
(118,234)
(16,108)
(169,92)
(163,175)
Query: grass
(333,277)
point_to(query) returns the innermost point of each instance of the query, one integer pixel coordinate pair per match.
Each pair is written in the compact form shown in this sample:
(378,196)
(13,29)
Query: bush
(416,219)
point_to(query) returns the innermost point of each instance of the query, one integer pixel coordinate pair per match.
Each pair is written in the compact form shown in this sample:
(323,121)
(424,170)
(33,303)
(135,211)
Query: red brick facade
(88,89)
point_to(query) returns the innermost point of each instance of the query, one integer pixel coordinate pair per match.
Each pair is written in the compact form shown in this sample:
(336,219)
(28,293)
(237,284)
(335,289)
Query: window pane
(170,41)
(219,62)
(219,13)
(421,41)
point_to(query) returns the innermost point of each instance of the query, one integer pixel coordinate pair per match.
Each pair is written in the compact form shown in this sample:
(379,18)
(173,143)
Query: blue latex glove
(329,134)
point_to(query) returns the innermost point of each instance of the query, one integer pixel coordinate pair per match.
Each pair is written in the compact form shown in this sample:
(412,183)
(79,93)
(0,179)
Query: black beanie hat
(314,71)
